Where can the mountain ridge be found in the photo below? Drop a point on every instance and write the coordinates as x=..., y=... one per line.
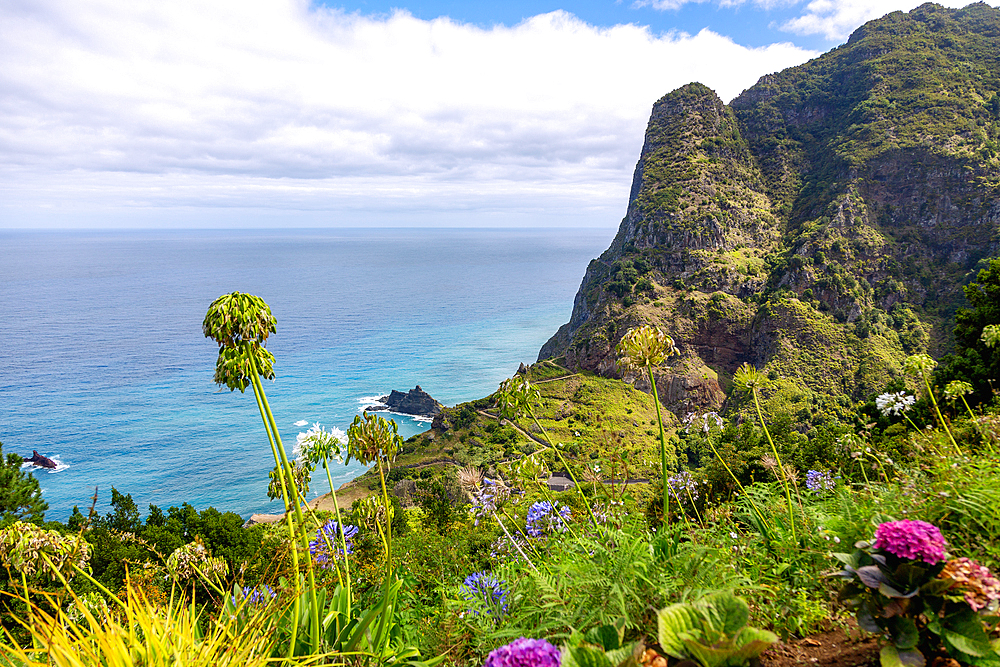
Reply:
x=820, y=226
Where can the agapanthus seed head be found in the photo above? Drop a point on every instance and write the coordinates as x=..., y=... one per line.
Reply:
x=955, y=389
x=748, y=378
x=644, y=346
x=919, y=365
x=470, y=478
x=515, y=397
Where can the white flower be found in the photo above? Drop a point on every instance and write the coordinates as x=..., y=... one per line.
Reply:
x=894, y=404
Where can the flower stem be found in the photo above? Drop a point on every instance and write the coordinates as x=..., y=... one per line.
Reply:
x=774, y=450
x=944, y=424
x=583, y=496
x=300, y=521
x=663, y=446
x=343, y=536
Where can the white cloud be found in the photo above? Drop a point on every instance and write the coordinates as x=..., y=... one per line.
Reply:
x=121, y=109
x=837, y=19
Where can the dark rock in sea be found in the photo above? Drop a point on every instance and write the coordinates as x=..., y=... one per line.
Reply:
x=414, y=402
x=40, y=461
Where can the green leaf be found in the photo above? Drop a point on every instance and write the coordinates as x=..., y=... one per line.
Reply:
x=964, y=630
x=904, y=632
x=890, y=656
x=936, y=586
x=726, y=613
x=866, y=621
x=890, y=592
x=585, y=655
x=749, y=644
x=671, y=622
x=871, y=576
x=851, y=560
x=606, y=636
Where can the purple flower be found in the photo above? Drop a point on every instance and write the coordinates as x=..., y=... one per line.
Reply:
x=524, y=653
x=542, y=519
x=684, y=486
x=482, y=587
x=911, y=539
x=319, y=549
x=820, y=481
x=261, y=594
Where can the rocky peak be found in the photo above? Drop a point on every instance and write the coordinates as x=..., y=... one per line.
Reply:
x=821, y=226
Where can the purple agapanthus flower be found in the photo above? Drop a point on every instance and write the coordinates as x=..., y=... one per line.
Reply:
x=820, y=481
x=525, y=653
x=322, y=553
x=261, y=594
x=542, y=519
x=911, y=539
x=483, y=587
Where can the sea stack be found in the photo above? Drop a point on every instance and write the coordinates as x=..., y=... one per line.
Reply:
x=414, y=402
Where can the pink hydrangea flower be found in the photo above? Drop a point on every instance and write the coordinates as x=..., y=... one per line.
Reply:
x=911, y=539
x=525, y=653
x=977, y=583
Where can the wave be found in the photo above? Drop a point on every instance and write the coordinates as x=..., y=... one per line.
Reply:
x=366, y=401
x=301, y=422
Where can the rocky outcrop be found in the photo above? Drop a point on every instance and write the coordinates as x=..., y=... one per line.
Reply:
x=820, y=226
x=40, y=461
x=414, y=402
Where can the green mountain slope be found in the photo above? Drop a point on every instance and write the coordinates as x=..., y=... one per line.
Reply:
x=820, y=226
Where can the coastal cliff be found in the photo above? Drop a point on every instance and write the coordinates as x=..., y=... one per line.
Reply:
x=819, y=227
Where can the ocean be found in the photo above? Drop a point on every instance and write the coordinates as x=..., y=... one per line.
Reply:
x=106, y=370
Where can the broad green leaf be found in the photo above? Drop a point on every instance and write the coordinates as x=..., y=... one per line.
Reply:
x=866, y=621
x=726, y=613
x=904, y=632
x=871, y=576
x=585, y=655
x=964, y=630
x=890, y=656
x=847, y=559
x=606, y=636
x=749, y=644
x=671, y=622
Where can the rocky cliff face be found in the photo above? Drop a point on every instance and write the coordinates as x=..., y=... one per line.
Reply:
x=820, y=226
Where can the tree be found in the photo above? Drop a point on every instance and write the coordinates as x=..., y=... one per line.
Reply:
x=20, y=495
x=124, y=517
x=974, y=361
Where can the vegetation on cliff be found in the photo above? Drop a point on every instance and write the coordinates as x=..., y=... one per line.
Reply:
x=804, y=247
x=820, y=227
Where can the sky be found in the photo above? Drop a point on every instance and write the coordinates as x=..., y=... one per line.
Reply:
x=368, y=113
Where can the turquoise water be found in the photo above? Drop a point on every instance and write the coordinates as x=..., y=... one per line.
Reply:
x=105, y=367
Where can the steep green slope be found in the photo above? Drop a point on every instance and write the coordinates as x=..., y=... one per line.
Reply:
x=820, y=227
